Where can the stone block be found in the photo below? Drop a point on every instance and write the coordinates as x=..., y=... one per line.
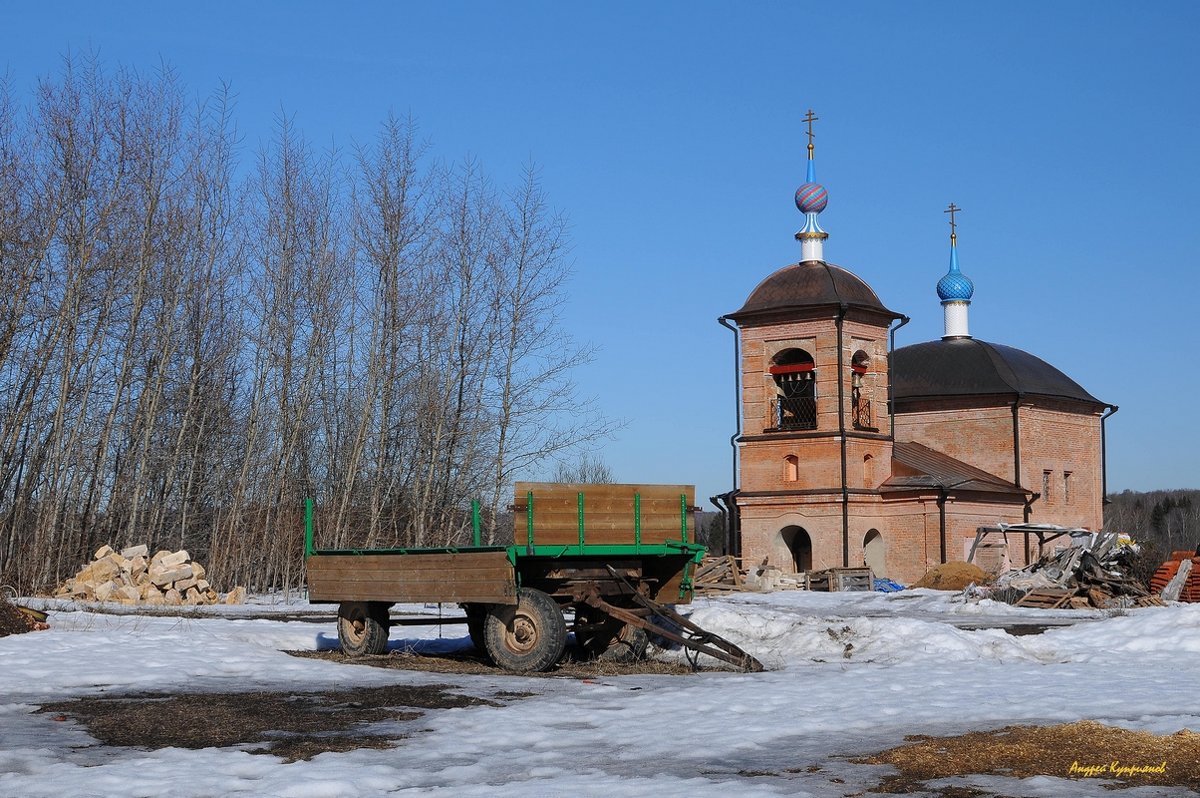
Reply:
x=172, y=598
x=198, y=570
x=137, y=567
x=163, y=576
x=177, y=558
x=183, y=585
x=102, y=571
x=129, y=593
x=104, y=590
x=192, y=596
x=236, y=596
x=102, y=552
x=135, y=551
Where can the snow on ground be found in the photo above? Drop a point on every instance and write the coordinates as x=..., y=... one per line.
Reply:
x=851, y=673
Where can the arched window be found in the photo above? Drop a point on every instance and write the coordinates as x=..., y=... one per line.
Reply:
x=791, y=468
x=868, y=471
x=795, y=402
x=860, y=399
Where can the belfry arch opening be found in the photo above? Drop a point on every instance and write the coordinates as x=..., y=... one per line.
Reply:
x=800, y=546
x=795, y=403
x=860, y=398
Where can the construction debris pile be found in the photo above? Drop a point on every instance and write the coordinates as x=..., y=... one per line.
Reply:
x=717, y=575
x=169, y=578
x=1074, y=578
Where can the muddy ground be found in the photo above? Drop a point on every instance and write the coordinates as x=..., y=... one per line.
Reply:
x=470, y=663
x=300, y=725
x=286, y=724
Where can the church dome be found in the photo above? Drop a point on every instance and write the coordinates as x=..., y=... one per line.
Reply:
x=955, y=286
x=970, y=367
x=810, y=284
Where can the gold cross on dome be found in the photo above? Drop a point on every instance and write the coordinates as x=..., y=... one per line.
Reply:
x=810, y=117
x=953, y=209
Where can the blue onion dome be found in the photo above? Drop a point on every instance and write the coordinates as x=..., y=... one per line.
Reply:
x=812, y=198
x=955, y=285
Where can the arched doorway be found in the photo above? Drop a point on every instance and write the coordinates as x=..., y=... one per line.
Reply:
x=800, y=545
x=875, y=552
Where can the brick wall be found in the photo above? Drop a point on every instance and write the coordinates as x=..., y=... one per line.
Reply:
x=910, y=528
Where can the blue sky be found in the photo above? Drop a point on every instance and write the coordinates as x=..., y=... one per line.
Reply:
x=671, y=135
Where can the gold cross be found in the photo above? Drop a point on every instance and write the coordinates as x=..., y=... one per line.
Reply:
x=953, y=209
x=810, y=117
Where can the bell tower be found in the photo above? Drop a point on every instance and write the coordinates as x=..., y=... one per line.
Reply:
x=814, y=430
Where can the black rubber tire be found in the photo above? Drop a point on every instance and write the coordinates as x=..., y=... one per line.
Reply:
x=594, y=631
x=530, y=636
x=629, y=646
x=363, y=628
x=476, y=623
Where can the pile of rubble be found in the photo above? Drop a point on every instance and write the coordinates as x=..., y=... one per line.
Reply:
x=1075, y=578
x=717, y=575
x=168, y=578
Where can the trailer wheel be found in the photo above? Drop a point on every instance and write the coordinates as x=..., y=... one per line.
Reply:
x=363, y=628
x=476, y=621
x=528, y=637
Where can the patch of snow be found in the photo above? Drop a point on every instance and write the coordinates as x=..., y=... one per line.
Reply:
x=852, y=673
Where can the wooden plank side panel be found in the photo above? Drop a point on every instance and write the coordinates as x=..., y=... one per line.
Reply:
x=615, y=492
x=608, y=513
x=485, y=577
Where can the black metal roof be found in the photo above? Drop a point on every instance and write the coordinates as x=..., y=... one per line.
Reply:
x=810, y=283
x=970, y=367
x=937, y=470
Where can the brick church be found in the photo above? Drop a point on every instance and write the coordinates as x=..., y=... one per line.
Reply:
x=850, y=451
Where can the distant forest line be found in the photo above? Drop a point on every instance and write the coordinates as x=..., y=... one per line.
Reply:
x=1166, y=520
x=193, y=339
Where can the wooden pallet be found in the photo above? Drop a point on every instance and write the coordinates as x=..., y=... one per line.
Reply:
x=831, y=579
x=1045, y=598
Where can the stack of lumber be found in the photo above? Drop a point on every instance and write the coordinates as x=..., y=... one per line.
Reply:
x=168, y=578
x=718, y=575
x=1076, y=578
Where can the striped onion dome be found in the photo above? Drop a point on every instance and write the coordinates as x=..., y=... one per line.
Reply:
x=812, y=198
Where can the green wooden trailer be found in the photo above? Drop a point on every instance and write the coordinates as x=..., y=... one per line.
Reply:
x=610, y=557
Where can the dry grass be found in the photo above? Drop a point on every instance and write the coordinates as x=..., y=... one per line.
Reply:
x=1066, y=750
x=12, y=620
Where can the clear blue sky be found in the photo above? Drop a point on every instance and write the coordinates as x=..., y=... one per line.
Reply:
x=670, y=133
